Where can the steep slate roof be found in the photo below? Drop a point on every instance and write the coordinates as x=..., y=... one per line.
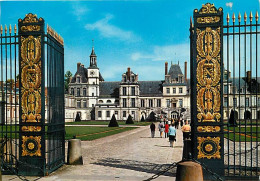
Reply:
x=174, y=71
x=151, y=88
x=83, y=72
x=109, y=89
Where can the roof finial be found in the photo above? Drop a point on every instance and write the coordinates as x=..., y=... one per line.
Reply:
x=92, y=43
x=178, y=62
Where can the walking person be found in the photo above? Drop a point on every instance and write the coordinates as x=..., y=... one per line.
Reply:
x=186, y=130
x=166, y=130
x=172, y=134
x=152, y=127
x=161, y=128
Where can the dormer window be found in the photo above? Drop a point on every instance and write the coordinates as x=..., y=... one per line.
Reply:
x=78, y=79
x=133, y=78
x=124, y=78
x=108, y=101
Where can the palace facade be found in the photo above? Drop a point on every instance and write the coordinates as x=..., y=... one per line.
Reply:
x=93, y=98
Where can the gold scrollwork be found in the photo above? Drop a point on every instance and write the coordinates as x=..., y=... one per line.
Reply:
x=208, y=8
x=208, y=19
x=30, y=28
x=31, y=79
x=31, y=128
x=30, y=18
x=31, y=146
x=209, y=147
x=208, y=75
x=208, y=128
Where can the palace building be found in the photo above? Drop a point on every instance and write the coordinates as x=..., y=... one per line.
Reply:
x=93, y=98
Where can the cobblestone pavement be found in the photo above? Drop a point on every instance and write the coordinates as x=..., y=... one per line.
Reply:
x=131, y=155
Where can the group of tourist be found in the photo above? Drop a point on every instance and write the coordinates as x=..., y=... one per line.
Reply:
x=169, y=129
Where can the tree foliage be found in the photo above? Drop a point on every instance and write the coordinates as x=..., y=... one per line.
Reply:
x=68, y=76
x=142, y=119
x=78, y=119
x=129, y=120
x=113, y=122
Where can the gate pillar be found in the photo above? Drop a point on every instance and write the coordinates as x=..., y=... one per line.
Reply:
x=31, y=96
x=206, y=88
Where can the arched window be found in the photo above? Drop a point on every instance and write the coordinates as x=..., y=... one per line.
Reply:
x=108, y=101
x=100, y=101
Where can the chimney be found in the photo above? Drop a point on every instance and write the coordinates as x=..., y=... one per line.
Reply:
x=78, y=65
x=185, y=71
x=166, y=68
x=248, y=76
x=128, y=73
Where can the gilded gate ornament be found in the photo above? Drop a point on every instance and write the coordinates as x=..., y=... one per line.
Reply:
x=31, y=79
x=209, y=147
x=31, y=146
x=208, y=75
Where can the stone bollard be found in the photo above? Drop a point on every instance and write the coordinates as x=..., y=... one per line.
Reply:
x=74, y=152
x=189, y=171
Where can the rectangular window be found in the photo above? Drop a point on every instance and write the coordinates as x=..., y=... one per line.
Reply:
x=78, y=104
x=225, y=101
x=93, y=94
x=78, y=79
x=84, y=92
x=78, y=92
x=142, y=102
x=258, y=102
x=247, y=102
x=124, y=102
x=124, y=78
x=133, y=102
x=180, y=90
x=133, y=91
x=174, y=90
x=234, y=102
x=108, y=114
x=124, y=91
x=180, y=102
x=133, y=78
x=158, y=102
x=150, y=103
x=116, y=112
x=225, y=89
x=93, y=105
x=168, y=90
x=124, y=114
x=72, y=91
x=99, y=114
x=84, y=103
x=168, y=102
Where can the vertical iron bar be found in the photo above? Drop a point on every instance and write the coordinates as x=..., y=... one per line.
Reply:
x=11, y=98
x=234, y=68
x=245, y=85
x=2, y=89
x=6, y=90
x=239, y=92
x=257, y=116
x=251, y=87
x=15, y=82
x=228, y=93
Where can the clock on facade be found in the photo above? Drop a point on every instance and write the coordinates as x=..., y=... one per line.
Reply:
x=92, y=72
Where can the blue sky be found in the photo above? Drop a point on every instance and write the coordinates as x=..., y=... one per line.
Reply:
x=137, y=34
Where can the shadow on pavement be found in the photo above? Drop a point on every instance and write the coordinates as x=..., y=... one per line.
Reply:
x=137, y=166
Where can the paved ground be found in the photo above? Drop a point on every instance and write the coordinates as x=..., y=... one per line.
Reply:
x=131, y=155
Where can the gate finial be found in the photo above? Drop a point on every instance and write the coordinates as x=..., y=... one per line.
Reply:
x=245, y=17
x=251, y=16
x=10, y=29
x=234, y=18
x=5, y=29
x=228, y=18
x=15, y=28
x=239, y=17
x=1, y=29
x=256, y=16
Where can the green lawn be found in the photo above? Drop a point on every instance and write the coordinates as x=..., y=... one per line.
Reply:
x=91, y=133
x=107, y=122
x=243, y=134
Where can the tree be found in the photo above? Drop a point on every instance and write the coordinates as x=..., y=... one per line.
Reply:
x=129, y=120
x=152, y=117
x=232, y=120
x=78, y=119
x=113, y=122
x=67, y=79
x=142, y=119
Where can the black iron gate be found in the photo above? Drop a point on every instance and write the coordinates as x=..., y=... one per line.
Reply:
x=225, y=104
x=31, y=98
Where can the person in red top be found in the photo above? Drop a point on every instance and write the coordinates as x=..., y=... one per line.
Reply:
x=166, y=130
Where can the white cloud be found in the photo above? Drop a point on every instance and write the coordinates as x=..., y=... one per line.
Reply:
x=230, y=4
x=165, y=53
x=108, y=30
x=79, y=10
